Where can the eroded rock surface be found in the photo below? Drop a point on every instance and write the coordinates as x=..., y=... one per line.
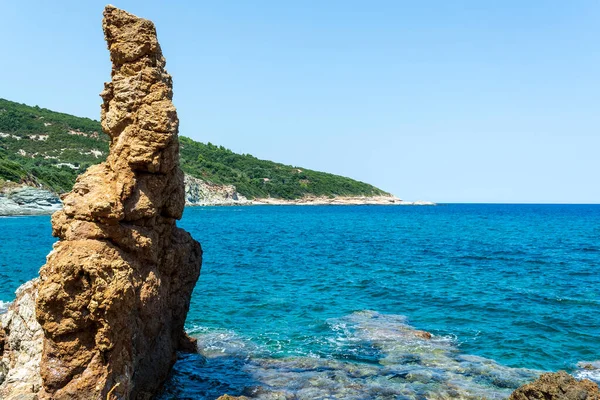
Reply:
x=21, y=346
x=115, y=291
x=557, y=386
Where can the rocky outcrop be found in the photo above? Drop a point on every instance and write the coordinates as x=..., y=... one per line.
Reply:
x=198, y=192
x=27, y=200
x=114, y=294
x=202, y=193
x=21, y=346
x=557, y=386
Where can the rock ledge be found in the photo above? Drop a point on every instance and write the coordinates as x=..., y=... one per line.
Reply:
x=557, y=386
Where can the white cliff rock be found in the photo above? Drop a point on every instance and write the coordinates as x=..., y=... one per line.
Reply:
x=201, y=193
x=21, y=347
x=27, y=200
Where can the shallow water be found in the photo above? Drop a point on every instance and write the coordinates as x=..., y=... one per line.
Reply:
x=373, y=356
x=281, y=308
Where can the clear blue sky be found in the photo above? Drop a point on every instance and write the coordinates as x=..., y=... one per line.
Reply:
x=450, y=101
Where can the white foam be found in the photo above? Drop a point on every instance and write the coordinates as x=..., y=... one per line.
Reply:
x=217, y=342
x=588, y=370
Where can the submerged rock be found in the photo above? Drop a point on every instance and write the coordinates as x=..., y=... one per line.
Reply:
x=114, y=294
x=557, y=386
x=375, y=356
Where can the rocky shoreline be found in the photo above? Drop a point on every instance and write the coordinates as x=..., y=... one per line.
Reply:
x=21, y=349
x=16, y=200
x=27, y=200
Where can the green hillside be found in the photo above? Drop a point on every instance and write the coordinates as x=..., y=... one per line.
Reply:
x=49, y=149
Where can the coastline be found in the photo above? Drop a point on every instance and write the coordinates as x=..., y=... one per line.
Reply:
x=29, y=201
x=342, y=200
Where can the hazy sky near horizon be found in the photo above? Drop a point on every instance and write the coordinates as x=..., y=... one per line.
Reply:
x=449, y=101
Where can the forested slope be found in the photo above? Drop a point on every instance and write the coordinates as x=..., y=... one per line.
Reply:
x=44, y=148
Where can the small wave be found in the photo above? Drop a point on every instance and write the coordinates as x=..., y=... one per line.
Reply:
x=218, y=342
x=588, y=370
x=570, y=300
x=589, y=249
x=539, y=326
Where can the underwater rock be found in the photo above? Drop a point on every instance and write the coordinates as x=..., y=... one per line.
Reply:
x=115, y=291
x=557, y=386
x=422, y=334
x=377, y=356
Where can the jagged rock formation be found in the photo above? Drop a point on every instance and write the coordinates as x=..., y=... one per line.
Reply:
x=21, y=346
x=557, y=386
x=113, y=296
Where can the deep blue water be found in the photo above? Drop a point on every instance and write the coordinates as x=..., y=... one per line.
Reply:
x=287, y=288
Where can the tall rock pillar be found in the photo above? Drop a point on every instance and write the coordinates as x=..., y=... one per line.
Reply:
x=115, y=291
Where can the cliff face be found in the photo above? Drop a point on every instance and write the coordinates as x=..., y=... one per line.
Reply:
x=114, y=293
x=202, y=193
x=26, y=200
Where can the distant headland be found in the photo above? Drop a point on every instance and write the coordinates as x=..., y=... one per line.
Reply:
x=42, y=152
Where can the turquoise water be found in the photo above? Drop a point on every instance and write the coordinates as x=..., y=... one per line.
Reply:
x=319, y=302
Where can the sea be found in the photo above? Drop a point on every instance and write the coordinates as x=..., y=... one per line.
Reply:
x=375, y=302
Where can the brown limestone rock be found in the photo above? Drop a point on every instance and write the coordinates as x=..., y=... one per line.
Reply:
x=557, y=386
x=115, y=291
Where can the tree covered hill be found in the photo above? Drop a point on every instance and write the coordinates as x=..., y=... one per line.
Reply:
x=49, y=149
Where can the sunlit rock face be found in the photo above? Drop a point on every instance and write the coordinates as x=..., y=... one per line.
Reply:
x=115, y=291
x=557, y=386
